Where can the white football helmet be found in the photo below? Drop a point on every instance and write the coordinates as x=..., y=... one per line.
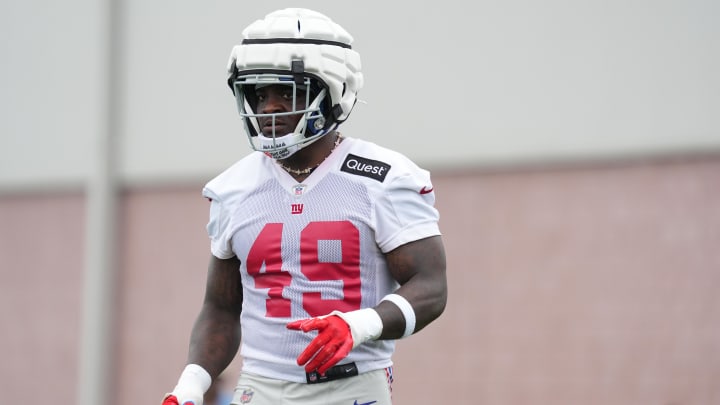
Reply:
x=306, y=50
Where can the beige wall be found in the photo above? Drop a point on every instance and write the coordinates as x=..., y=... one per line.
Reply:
x=585, y=285
x=591, y=286
x=41, y=268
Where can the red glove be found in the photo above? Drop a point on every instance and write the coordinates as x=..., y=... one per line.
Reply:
x=332, y=344
x=172, y=400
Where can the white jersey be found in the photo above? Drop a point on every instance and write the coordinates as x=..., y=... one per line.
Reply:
x=309, y=248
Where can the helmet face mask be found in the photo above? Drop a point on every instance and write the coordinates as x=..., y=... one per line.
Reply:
x=303, y=49
x=309, y=101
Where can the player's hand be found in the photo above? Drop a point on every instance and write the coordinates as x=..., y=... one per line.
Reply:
x=171, y=399
x=332, y=344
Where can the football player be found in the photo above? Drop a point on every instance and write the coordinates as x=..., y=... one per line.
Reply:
x=325, y=248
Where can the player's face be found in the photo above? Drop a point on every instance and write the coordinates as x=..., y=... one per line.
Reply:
x=275, y=99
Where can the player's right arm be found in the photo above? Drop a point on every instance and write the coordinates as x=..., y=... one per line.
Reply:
x=215, y=337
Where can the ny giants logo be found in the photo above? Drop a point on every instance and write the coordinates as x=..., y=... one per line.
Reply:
x=296, y=208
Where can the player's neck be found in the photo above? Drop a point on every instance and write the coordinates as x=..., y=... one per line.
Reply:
x=301, y=164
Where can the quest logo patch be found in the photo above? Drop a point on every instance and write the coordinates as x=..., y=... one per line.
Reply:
x=361, y=166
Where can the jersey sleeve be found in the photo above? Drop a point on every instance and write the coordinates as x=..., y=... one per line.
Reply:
x=218, y=227
x=406, y=211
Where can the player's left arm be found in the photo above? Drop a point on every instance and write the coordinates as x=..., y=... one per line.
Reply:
x=419, y=267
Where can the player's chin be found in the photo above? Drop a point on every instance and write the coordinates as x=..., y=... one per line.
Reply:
x=278, y=129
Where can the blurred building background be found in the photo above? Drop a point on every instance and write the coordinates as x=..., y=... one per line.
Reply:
x=575, y=151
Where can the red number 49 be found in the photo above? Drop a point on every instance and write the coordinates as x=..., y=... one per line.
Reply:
x=267, y=250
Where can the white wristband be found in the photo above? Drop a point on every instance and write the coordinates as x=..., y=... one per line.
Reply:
x=365, y=324
x=192, y=384
x=407, y=311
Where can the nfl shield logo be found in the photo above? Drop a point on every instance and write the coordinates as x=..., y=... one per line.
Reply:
x=246, y=396
x=299, y=189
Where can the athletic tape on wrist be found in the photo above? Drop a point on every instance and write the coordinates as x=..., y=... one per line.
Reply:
x=365, y=324
x=407, y=311
x=194, y=379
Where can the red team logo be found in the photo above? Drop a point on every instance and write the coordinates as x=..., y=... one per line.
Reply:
x=296, y=208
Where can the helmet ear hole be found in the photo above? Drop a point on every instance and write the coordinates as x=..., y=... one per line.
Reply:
x=315, y=125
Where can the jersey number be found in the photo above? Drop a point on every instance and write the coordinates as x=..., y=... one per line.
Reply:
x=267, y=250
